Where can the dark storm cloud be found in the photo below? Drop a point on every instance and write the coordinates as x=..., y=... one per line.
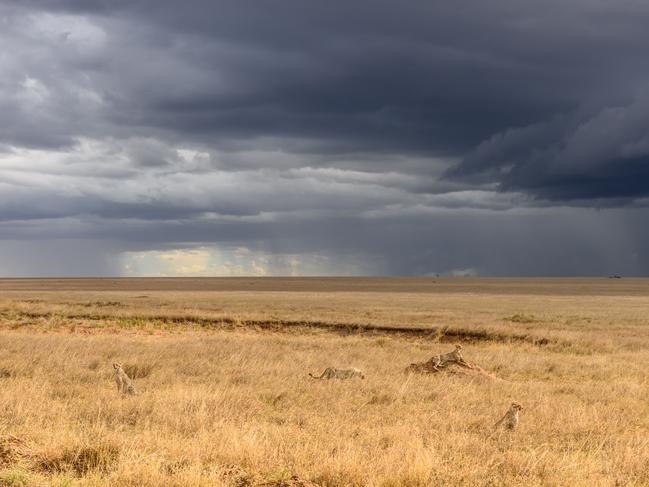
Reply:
x=599, y=155
x=427, y=78
x=231, y=121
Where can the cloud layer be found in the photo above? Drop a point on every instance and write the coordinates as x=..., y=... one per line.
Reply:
x=331, y=138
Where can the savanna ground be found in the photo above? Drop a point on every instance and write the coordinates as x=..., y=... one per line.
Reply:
x=225, y=397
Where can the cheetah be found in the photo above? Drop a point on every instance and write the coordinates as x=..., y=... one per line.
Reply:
x=124, y=383
x=334, y=373
x=510, y=420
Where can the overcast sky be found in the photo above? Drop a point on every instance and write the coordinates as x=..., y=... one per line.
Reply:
x=298, y=137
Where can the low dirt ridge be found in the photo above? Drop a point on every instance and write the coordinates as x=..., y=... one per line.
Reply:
x=439, y=334
x=432, y=367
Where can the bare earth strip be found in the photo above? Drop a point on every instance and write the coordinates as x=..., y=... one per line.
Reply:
x=226, y=400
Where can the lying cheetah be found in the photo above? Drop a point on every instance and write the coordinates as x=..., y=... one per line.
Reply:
x=333, y=373
x=510, y=420
x=434, y=364
x=438, y=362
x=124, y=383
x=454, y=357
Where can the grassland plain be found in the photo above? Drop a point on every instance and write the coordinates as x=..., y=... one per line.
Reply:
x=226, y=400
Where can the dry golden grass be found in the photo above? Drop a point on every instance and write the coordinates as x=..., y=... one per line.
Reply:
x=226, y=400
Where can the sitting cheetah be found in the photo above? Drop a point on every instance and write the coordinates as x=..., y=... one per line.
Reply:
x=124, y=383
x=510, y=420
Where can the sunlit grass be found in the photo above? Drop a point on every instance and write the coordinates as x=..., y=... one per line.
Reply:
x=231, y=403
